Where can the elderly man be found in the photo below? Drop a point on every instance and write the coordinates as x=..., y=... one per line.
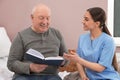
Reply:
x=42, y=38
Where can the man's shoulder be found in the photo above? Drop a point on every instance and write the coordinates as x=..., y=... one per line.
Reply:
x=54, y=29
x=24, y=31
x=56, y=32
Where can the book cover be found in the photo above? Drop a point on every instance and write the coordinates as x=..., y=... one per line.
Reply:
x=37, y=57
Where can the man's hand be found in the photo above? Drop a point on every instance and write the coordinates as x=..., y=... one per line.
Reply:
x=37, y=67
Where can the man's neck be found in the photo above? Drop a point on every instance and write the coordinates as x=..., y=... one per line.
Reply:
x=36, y=30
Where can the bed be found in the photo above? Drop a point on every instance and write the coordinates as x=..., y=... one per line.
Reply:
x=5, y=44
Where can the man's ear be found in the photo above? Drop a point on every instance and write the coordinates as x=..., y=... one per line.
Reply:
x=31, y=16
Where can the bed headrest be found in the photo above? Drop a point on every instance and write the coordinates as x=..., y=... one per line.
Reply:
x=5, y=42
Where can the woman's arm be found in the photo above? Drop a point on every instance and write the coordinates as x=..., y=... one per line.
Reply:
x=81, y=71
x=91, y=65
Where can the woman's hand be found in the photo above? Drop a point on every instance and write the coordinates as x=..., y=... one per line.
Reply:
x=37, y=67
x=72, y=56
x=84, y=78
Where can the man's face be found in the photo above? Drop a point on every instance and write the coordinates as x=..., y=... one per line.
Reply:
x=41, y=20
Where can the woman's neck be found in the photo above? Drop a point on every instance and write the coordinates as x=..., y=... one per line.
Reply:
x=95, y=33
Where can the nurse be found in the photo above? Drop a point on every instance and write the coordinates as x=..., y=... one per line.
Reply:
x=95, y=49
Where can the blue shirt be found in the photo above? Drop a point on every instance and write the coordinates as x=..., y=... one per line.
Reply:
x=100, y=50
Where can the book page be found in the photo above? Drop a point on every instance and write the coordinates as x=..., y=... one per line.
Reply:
x=35, y=53
x=54, y=58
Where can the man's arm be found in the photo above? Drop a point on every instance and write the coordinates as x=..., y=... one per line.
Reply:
x=62, y=49
x=16, y=55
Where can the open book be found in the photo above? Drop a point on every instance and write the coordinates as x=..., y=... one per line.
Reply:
x=37, y=57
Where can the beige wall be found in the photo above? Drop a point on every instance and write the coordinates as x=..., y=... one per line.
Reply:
x=66, y=16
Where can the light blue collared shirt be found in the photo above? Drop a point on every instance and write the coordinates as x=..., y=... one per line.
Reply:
x=100, y=50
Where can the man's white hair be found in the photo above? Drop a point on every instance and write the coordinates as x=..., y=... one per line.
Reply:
x=40, y=6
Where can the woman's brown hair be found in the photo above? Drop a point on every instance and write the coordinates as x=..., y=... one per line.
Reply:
x=98, y=14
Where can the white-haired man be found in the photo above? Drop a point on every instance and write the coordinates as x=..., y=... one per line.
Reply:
x=40, y=37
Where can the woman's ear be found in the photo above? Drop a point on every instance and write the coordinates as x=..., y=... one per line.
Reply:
x=98, y=23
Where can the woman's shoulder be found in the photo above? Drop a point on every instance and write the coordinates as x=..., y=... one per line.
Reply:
x=107, y=38
x=84, y=36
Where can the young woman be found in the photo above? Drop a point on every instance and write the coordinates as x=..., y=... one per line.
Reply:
x=95, y=49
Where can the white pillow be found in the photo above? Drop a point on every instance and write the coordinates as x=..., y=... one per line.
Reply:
x=5, y=43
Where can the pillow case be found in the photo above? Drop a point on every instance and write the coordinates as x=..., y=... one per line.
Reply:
x=5, y=42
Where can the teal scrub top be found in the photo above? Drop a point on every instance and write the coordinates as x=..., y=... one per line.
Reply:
x=100, y=50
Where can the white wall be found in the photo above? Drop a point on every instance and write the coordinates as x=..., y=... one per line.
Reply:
x=66, y=16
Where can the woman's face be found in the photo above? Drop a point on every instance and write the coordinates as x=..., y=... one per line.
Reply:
x=88, y=22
